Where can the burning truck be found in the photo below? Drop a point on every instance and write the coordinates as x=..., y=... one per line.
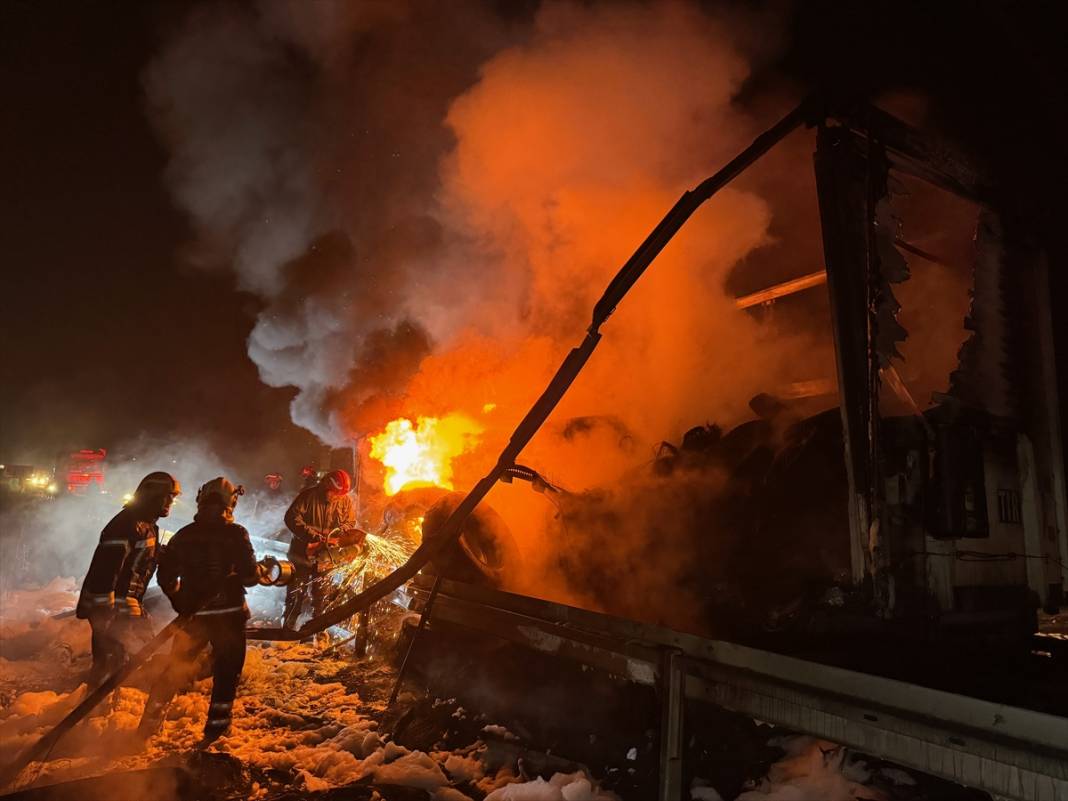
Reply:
x=924, y=534
x=875, y=522
x=844, y=511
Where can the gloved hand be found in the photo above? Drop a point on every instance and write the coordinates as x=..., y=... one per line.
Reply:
x=318, y=545
x=351, y=537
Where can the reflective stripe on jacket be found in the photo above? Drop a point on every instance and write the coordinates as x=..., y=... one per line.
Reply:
x=122, y=565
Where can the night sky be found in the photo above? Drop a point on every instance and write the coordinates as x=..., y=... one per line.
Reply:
x=107, y=333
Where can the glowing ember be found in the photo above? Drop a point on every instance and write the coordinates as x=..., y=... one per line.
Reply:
x=421, y=454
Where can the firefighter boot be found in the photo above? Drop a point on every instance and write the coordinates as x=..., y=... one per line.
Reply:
x=219, y=716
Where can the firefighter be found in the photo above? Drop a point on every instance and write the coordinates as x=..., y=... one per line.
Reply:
x=318, y=518
x=122, y=565
x=308, y=477
x=204, y=572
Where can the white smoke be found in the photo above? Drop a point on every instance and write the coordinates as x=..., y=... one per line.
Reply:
x=304, y=142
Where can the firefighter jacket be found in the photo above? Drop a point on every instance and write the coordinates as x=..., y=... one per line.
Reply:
x=122, y=566
x=312, y=511
x=207, y=565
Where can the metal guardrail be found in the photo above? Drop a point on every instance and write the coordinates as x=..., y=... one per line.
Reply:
x=1006, y=751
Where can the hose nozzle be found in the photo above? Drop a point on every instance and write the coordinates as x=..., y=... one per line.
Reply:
x=271, y=572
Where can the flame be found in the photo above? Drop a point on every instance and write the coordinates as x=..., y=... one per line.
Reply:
x=421, y=454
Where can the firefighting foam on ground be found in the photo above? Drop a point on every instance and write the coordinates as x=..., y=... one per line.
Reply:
x=627, y=413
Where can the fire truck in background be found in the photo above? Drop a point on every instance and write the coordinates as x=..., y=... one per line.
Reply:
x=83, y=470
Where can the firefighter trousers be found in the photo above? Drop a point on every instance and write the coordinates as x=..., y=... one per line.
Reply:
x=115, y=637
x=225, y=633
x=307, y=580
x=107, y=652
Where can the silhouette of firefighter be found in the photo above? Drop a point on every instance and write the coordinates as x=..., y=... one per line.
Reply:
x=320, y=518
x=204, y=571
x=121, y=568
x=309, y=477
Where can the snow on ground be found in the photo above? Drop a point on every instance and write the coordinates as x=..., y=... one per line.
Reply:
x=814, y=769
x=37, y=651
x=298, y=720
x=293, y=718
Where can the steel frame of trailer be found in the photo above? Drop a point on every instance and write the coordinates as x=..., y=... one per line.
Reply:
x=1007, y=751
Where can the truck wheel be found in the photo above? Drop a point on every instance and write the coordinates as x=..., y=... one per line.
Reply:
x=486, y=550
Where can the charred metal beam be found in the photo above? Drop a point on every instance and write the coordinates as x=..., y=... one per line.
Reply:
x=845, y=217
x=920, y=154
x=672, y=686
x=908, y=247
x=690, y=202
x=809, y=280
x=790, y=287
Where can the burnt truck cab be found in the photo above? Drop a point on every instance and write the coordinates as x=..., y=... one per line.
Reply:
x=958, y=541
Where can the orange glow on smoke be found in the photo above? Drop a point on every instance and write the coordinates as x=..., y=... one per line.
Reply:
x=421, y=454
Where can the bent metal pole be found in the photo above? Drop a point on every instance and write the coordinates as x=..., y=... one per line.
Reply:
x=39, y=750
x=807, y=111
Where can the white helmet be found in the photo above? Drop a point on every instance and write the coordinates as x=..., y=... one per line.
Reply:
x=220, y=490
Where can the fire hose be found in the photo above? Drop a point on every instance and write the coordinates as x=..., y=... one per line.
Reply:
x=272, y=572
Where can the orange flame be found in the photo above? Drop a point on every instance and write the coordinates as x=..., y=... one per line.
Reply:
x=421, y=454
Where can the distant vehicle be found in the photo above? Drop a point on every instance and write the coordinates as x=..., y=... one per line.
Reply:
x=84, y=469
x=26, y=479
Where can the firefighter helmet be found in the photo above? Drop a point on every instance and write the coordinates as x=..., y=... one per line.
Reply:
x=158, y=483
x=337, y=482
x=220, y=490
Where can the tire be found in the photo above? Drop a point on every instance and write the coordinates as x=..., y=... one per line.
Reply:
x=486, y=552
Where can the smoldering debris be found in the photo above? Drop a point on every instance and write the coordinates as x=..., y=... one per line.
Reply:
x=714, y=535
